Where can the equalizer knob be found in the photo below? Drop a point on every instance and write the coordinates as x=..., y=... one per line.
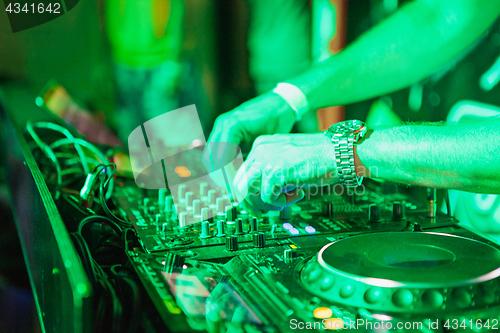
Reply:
x=162, y=193
x=231, y=213
x=221, y=228
x=254, y=225
x=158, y=222
x=205, y=230
x=221, y=206
x=207, y=215
x=398, y=211
x=197, y=207
x=374, y=213
x=164, y=230
x=212, y=197
x=238, y=227
x=181, y=192
x=203, y=189
x=169, y=202
x=232, y=243
x=183, y=220
x=259, y=240
x=189, y=199
x=286, y=213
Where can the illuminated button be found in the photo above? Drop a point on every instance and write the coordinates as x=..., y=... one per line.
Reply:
x=310, y=230
x=182, y=171
x=294, y=231
x=332, y=324
x=287, y=226
x=322, y=313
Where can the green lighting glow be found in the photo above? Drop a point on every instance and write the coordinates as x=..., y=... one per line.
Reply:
x=39, y=101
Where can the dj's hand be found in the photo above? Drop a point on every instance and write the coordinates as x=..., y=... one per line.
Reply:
x=280, y=165
x=266, y=114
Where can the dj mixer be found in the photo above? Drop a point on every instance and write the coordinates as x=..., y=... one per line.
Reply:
x=189, y=258
x=377, y=261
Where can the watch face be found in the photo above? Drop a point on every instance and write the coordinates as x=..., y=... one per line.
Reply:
x=357, y=127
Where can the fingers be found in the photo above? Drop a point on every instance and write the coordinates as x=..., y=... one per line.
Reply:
x=271, y=186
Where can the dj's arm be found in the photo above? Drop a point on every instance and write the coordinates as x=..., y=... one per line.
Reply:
x=408, y=46
x=461, y=157
x=405, y=48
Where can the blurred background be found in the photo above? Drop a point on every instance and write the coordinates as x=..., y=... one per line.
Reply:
x=127, y=61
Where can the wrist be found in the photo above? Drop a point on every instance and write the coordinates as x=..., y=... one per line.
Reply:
x=361, y=169
x=294, y=97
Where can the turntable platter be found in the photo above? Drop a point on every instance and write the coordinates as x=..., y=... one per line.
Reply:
x=396, y=271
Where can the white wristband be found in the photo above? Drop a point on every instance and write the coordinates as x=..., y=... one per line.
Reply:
x=294, y=97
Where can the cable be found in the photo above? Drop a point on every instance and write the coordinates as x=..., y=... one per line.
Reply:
x=48, y=152
x=99, y=219
x=70, y=138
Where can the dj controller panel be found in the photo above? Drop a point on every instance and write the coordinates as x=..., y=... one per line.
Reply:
x=372, y=260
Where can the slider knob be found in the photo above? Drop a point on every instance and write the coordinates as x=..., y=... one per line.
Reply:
x=398, y=211
x=232, y=243
x=259, y=240
x=327, y=209
x=374, y=213
x=288, y=256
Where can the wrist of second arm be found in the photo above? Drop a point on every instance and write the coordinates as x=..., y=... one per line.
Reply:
x=362, y=170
